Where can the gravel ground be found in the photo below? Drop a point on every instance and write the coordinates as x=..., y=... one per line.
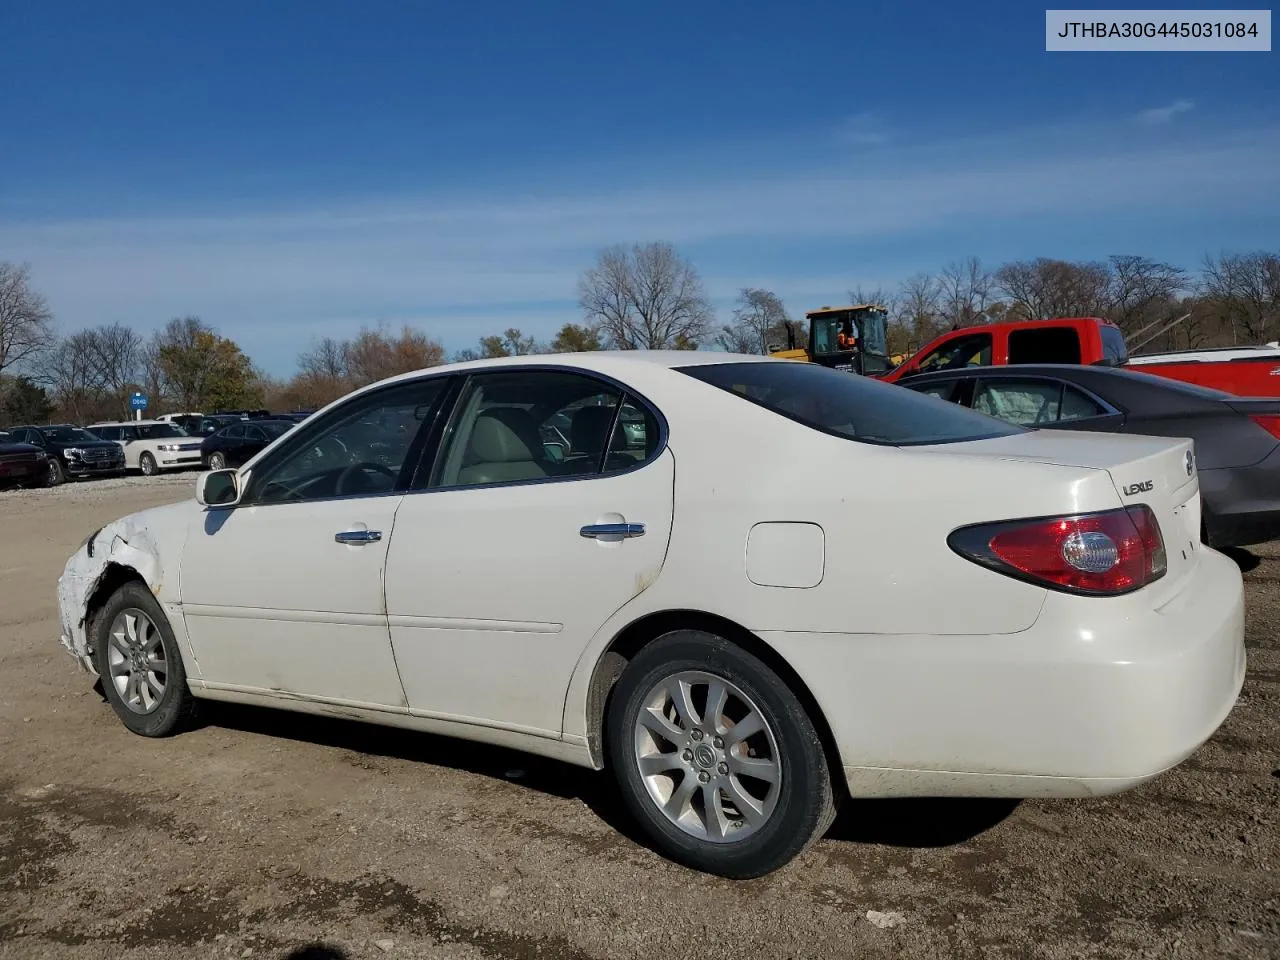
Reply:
x=261, y=833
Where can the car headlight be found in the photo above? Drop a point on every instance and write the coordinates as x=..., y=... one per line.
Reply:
x=168, y=446
x=41, y=455
x=74, y=452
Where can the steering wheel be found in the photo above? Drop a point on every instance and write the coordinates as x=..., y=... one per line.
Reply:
x=348, y=472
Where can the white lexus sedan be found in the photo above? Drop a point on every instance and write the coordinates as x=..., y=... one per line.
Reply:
x=750, y=587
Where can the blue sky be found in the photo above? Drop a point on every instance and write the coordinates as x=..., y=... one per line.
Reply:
x=288, y=171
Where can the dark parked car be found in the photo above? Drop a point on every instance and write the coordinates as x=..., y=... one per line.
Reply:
x=1237, y=439
x=72, y=451
x=237, y=442
x=22, y=464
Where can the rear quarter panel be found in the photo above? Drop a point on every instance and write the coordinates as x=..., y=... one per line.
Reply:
x=885, y=513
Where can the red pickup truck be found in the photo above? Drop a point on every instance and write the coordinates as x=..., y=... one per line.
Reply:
x=1244, y=371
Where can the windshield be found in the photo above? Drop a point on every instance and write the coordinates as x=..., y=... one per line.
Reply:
x=159, y=431
x=68, y=435
x=874, y=325
x=849, y=405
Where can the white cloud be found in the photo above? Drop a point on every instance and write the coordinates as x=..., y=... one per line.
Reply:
x=1159, y=115
x=272, y=278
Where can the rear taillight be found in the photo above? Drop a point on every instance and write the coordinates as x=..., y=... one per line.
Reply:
x=1100, y=554
x=1268, y=422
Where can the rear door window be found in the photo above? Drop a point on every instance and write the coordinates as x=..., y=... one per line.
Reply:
x=942, y=391
x=1044, y=345
x=848, y=405
x=1035, y=403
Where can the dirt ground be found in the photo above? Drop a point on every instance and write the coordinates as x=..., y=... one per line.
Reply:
x=262, y=833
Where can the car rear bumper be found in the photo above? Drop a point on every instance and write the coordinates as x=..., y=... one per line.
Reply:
x=1241, y=505
x=1097, y=697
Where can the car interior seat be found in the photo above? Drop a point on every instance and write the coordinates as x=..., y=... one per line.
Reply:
x=504, y=446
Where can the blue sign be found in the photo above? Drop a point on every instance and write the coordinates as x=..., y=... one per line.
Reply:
x=138, y=401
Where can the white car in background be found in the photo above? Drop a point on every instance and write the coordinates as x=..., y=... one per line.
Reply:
x=750, y=587
x=151, y=445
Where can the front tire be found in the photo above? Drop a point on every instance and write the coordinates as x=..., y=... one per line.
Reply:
x=140, y=665
x=217, y=461
x=56, y=474
x=147, y=464
x=716, y=758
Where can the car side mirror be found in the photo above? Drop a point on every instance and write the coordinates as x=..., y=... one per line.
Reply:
x=218, y=488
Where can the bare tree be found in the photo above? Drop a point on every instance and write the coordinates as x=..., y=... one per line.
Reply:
x=759, y=320
x=326, y=360
x=1145, y=292
x=877, y=296
x=919, y=309
x=71, y=371
x=116, y=352
x=966, y=290
x=25, y=318
x=1044, y=288
x=1245, y=290
x=151, y=373
x=646, y=298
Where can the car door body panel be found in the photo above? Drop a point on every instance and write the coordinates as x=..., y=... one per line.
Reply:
x=284, y=592
x=493, y=592
x=272, y=602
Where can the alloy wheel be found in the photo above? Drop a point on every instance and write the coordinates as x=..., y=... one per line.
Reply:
x=708, y=757
x=135, y=657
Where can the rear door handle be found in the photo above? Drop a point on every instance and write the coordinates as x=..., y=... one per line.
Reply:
x=597, y=530
x=358, y=536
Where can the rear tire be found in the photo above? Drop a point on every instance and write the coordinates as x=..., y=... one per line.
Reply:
x=147, y=464
x=736, y=808
x=56, y=474
x=140, y=666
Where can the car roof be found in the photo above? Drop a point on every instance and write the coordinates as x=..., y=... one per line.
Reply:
x=128, y=423
x=598, y=361
x=602, y=361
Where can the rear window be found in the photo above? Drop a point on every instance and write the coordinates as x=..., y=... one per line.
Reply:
x=1044, y=345
x=1114, y=349
x=848, y=405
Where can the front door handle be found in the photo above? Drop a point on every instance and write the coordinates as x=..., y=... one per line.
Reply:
x=358, y=536
x=598, y=530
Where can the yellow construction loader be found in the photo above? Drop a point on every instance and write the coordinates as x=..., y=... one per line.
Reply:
x=852, y=338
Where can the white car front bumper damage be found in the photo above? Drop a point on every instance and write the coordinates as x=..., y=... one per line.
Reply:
x=122, y=543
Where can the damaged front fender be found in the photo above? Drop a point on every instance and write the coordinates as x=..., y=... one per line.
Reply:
x=125, y=544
